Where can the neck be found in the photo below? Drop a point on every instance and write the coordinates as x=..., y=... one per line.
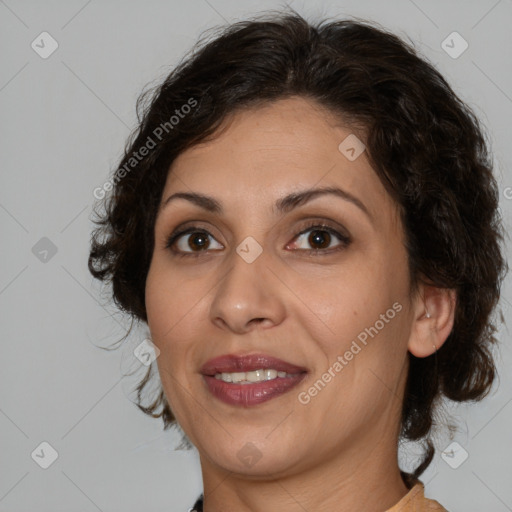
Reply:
x=354, y=482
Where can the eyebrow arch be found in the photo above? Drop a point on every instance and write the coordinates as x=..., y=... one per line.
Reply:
x=282, y=206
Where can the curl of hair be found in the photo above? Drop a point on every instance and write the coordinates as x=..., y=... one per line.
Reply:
x=424, y=143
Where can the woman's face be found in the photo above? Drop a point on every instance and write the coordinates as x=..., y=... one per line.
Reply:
x=320, y=283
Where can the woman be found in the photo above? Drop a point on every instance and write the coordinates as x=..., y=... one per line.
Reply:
x=306, y=219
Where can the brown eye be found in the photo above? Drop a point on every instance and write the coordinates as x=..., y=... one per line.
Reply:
x=191, y=240
x=194, y=241
x=198, y=241
x=320, y=239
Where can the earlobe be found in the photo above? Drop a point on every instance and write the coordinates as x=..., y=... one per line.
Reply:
x=434, y=310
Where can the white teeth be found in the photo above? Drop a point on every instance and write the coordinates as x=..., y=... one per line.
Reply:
x=236, y=377
x=269, y=374
x=254, y=376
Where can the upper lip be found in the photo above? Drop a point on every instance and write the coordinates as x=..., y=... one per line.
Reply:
x=230, y=363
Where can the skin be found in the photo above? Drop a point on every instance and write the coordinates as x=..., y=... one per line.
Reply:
x=339, y=451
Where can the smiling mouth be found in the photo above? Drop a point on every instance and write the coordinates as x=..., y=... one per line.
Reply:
x=248, y=380
x=261, y=375
x=247, y=363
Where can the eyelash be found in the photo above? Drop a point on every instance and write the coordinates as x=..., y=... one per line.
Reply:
x=312, y=226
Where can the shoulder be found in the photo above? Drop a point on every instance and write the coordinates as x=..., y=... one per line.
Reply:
x=415, y=501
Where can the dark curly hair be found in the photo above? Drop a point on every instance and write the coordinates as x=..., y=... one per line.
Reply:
x=424, y=143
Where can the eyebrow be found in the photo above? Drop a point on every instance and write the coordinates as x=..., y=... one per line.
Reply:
x=282, y=206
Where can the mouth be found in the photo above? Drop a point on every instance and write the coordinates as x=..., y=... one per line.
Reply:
x=250, y=379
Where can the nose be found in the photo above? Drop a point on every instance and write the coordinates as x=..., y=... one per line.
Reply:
x=249, y=296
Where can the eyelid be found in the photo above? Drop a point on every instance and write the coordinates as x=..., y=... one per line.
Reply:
x=320, y=224
x=342, y=237
x=177, y=234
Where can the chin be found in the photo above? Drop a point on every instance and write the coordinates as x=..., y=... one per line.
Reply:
x=254, y=456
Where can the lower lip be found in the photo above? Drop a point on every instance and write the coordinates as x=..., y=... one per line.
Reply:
x=246, y=395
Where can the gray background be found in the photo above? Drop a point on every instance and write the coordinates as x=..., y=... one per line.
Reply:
x=64, y=123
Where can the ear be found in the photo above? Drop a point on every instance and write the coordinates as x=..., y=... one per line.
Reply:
x=434, y=314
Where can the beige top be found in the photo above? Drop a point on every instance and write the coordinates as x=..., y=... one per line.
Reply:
x=415, y=501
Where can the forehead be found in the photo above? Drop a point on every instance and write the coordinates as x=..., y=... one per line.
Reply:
x=261, y=154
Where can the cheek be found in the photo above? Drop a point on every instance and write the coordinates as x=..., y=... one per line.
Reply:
x=158, y=303
x=364, y=321
x=176, y=309
x=344, y=302
x=164, y=305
